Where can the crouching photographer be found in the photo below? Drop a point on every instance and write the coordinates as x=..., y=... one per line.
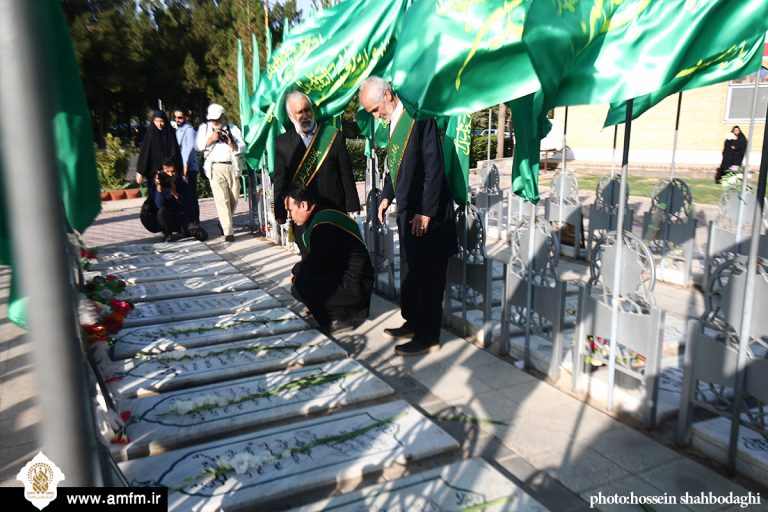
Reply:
x=172, y=209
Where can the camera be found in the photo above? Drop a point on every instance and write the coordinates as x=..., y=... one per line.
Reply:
x=223, y=134
x=165, y=181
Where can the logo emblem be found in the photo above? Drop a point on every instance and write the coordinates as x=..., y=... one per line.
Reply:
x=40, y=477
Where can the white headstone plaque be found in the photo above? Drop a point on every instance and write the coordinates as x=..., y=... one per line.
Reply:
x=467, y=485
x=170, y=420
x=165, y=337
x=178, y=369
x=173, y=310
x=256, y=470
x=175, y=288
x=163, y=259
x=130, y=274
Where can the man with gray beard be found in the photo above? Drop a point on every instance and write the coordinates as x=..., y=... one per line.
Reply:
x=315, y=156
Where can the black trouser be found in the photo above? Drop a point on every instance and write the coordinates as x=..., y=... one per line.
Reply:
x=338, y=306
x=421, y=297
x=192, y=182
x=171, y=222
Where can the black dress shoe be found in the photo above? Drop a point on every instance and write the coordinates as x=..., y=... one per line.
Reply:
x=229, y=238
x=399, y=332
x=167, y=238
x=416, y=348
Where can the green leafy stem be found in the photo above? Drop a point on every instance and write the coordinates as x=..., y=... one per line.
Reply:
x=463, y=418
x=199, y=330
x=310, y=381
x=298, y=450
x=216, y=353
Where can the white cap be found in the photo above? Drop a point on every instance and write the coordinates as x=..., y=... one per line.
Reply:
x=215, y=111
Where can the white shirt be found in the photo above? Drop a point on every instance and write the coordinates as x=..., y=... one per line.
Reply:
x=307, y=139
x=218, y=151
x=395, y=117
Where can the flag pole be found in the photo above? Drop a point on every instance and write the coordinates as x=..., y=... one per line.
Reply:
x=744, y=186
x=665, y=236
x=66, y=433
x=613, y=156
x=619, y=248
x=560, y=226
x=748, y=305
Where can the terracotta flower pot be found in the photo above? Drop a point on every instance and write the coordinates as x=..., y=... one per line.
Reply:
x=105, y=195
x=132, y=193
x=117, y=194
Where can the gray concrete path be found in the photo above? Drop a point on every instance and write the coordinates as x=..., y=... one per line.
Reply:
x=559, y=449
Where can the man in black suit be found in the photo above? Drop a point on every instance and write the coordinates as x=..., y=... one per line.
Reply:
x=425, y=219
x=334, y=279
x=315, y=156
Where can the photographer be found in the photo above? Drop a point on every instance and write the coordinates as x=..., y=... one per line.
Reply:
x=221, y=143
x=173, y=208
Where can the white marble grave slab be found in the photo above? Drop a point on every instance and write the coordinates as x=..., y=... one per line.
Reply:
x=152, y=339
x=174, y=310
x=168, y=371
x=540, y=351
x=171, y=420
x=162, y=259
x=175, y=288
x=674, y=335
x=469, y=484
x=118, y=251
x=182, y=271
x=711, y=437
x=254, y=471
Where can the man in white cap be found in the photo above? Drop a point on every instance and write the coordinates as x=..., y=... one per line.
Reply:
x=221, y=143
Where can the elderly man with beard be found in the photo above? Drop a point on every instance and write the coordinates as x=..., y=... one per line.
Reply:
x=315, y=156
x=425, y=220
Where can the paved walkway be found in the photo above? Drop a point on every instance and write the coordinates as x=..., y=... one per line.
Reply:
x=560, y=450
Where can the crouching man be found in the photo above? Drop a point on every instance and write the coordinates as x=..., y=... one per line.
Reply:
x=171, y=209
x=334, y=278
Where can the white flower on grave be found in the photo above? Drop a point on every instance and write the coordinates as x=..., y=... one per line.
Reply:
x=242, y=462
x=183, y=406
x=222, y=401
x=87, y=310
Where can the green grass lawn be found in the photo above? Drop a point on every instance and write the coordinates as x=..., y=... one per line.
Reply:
x=704, y=191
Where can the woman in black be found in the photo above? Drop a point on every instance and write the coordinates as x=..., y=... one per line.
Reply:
x=158, y=145
x=733, y=152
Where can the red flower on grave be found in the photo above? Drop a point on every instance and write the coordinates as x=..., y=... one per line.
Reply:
x=125, y=415
x=121, y=306
x=120, y=439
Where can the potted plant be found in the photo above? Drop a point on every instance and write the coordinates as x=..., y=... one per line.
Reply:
x=111, y=165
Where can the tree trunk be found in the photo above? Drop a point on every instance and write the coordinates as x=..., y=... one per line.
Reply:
x=500, y=131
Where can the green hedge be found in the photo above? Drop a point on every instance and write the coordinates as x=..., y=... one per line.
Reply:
x=479, y=149
x=356, y=149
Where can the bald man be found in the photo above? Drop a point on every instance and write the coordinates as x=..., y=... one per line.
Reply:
x=314, y=156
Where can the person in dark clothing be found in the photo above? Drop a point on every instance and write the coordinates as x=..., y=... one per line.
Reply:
x=334, y=278
x=425, y=217
x=158, y=145
x=314, y=155
x=173, y=210
x=733, y=152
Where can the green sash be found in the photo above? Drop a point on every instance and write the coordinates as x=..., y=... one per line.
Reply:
x=315, y=154
x=397, y=144
x=338, y=219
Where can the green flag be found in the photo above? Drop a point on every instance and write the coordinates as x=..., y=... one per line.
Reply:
x=458, y=57
x=72, y=134
x=531, y=125
x=327, y=56
x=735, y=62
x=456, y=148
x=609, y=51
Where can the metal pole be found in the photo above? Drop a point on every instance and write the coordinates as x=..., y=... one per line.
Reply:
x=529, y=287
x=39, y=243
x=740, y=214
x=560, y=226
x=665, y=236
x=616, y=285
x=490, y=121
x=374, y=215
x=613, y=156
x=748, y=305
